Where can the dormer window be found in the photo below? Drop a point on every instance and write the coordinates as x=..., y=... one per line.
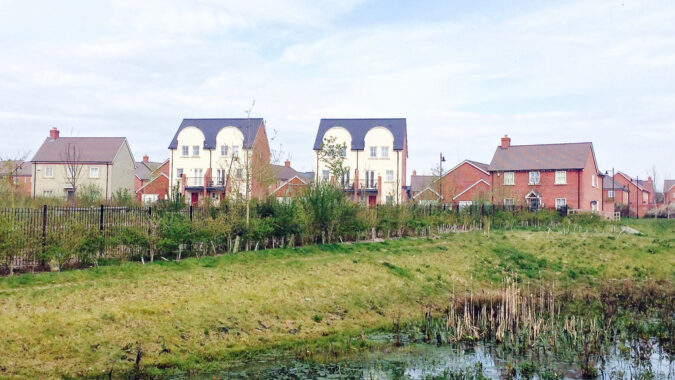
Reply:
x=373, y=151
x=534, y=178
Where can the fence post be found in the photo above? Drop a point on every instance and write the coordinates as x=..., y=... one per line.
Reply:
x=191, y=210
x=100, y=219
x=44, y=227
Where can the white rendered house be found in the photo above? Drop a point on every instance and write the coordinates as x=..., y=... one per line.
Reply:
x=376, y=156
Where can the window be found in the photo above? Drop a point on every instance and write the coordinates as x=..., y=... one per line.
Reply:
x=508, y=178
x=185, y=150
x=195, y=150
x=15, y=180
x=70, y=173
x=593, y=180
x=373, y=151
x=465, y=204
x=235, y=150
x=508, y=202
x=49, y=172
x=390, y=175
x=384, y=151
x=560, y=177
x=93, y=172
x=534, y=178
x=198, y=179
x=610, y=193
x=325, y=175
x=560, y=203
x=47, y=193
x=223, y=150
x=179, y=173
x=240, y=173
x=214, y=196
x=645, y=197
x=149, y=198
x=389, y=199
x=343, y=152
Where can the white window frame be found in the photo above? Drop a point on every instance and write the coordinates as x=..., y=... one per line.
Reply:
x=235, y=150
x=509, y=201
x=185, y=150
x=343, y=151
x=69, y=172
x=593, y=180
x=223, y=150
x=373, y=152
x=149, y=198
x=390, y=175
x=511, y=176
x=536, y=180
x=47, y=193
x=560, y=177
x=564, y=203
x=179, y=172
x=49, y=172
x=464, y=204
x=384, y=151
x=94, y=172
x=610, y=193
x=325, y=175
x=240, y=173
x=195, y=151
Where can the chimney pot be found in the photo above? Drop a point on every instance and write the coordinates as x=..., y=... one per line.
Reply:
x=287, y=163
x=146, y=158
x=414, y=172
x=54, y=133
x=506, y=141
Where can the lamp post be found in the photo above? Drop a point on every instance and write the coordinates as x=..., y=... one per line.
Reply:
x=440, y=176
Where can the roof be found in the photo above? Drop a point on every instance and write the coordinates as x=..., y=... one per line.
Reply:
x=668, y=184
x=308, y=175
x=419, y=182
x=210, y=128
x=88, y=149
x=144, y=169
x=630, y=179
x=359, y=127
x=15, y=167
x=284, y=173
x=608, y=183
x=471, y=187
x=476, y=164
x=541, y=157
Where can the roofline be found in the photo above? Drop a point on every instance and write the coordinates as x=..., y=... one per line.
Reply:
x=65, y=163
x=631, y=180
x=425, y=189
x=289, y=180
x=462, y=163
x=469, y=188
x=151, y=181
x=567, y=143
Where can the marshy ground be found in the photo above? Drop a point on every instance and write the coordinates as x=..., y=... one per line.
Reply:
x=198, y=314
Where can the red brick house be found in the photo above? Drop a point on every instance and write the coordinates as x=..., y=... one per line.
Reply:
x=669, y=191
x=290, y=183
x=421, y=189
x=154, y=183
x=638, y=196
x=613, y=193
x=18, y=173
x=547, y=176
x=465, y=183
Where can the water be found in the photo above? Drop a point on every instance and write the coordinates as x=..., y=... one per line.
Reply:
x=426, y=361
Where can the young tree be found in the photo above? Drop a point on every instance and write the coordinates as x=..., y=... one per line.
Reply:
x=72, y=168
x=333, y=155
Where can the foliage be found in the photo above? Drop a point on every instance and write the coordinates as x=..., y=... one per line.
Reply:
x=123, y=197
x=333, y=155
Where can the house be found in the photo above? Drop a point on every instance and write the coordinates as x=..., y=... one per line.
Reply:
x=289, y=183
x=639, y=196
x=215, y=158
x=64, y=164
x=614, y=194
x=18, y=173
x=152, y=180
x=376, y=154
x=421, y=189
x=669, y=191
x=546, y=176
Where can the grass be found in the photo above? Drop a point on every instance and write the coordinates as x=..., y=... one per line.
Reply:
x=197, y=313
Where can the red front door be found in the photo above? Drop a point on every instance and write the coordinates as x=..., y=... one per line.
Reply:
x=372, y=200
x=194, y=199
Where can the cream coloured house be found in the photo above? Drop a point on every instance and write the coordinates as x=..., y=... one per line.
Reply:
x=376, y=155
x=215, y=158
x=106, y=163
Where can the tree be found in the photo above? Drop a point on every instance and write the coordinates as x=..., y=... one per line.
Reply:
x=73, y=169
x=9, y=169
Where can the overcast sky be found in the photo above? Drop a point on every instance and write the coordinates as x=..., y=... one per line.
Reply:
x=463, y=73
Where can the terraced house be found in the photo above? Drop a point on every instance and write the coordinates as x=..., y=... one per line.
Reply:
x=64, y=165
x=376, y=154
x=215, y=158
x=546, y=176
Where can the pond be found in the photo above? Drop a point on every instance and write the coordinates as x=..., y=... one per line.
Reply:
x=460, y=361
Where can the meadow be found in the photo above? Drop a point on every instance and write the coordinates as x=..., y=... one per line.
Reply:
x=199, y=314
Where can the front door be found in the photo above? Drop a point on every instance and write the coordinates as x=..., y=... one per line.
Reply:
x=533, y=203
x=194, y=199
x=372, y=200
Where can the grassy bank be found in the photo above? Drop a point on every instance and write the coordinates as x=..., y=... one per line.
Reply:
x=192, y=313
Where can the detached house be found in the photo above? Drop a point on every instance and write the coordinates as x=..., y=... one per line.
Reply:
x=216, y=158
x=614, y=194
x=18, y=173
x=290, y=183
x=463, y=184
x=639, y=196
x=546, y=176
x=151, y=180
x=376, y=154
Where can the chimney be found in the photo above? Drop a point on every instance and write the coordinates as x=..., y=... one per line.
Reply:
x=53, y=133
x=506, y=141
x=146, y=158
x=649, y=178
x=287, y=163
x=414, y=173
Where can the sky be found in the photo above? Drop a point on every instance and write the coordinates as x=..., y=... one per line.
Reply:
x=463, y=73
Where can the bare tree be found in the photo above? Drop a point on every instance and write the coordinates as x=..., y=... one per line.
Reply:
x=9, y=170
x=72, y=168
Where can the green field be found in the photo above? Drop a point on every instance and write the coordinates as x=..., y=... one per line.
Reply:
x=196, y=314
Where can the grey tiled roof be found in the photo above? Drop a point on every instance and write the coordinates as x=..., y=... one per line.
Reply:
x=608, y=183
x=668, y=184
x=541, y=157
x=284, y=173
x=210, y=128
x=359, y=127
x=420, y=182
x=88, y=149
x=17, y=167
x=144, y=169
